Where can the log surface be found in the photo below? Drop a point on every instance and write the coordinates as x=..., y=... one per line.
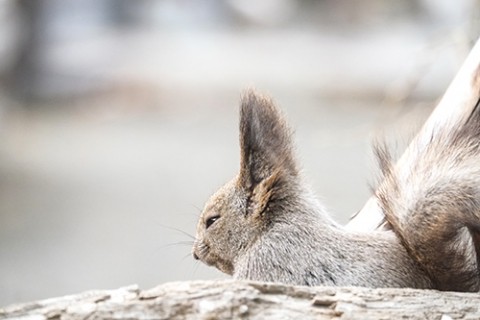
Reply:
x=227, y=299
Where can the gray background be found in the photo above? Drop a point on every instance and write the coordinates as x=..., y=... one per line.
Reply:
x=127, y=121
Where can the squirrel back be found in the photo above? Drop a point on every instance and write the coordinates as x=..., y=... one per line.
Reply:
x=267, y=225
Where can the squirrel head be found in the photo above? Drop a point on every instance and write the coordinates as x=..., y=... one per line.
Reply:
x=237, y=215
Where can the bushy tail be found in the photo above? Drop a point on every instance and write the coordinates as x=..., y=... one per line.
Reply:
x=434, y=208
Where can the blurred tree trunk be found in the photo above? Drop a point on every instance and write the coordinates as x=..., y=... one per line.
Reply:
x=25, y=75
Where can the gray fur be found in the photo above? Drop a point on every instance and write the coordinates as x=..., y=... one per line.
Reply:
x=268, y=226
x=435, y=208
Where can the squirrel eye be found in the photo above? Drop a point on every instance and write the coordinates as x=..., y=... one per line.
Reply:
x=211, y=220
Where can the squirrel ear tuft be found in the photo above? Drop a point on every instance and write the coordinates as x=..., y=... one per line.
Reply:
x=265, y=140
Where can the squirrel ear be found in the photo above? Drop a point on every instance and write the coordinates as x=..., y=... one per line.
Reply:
x=265, y=141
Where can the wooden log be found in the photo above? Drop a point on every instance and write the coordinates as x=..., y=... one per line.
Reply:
x=455, y=107
x=227, y=299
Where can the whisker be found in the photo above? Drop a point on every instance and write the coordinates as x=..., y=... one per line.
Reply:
x=198, y=209
x=178, y=230
x=179, y=243
x=185, y=257
x=195, y=270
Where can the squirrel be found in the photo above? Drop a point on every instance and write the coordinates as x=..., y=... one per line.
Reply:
x=267, y=225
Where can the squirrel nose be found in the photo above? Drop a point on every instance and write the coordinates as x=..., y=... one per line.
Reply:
x=195, y=256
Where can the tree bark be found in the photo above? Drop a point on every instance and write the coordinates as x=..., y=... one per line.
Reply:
x=226, y=299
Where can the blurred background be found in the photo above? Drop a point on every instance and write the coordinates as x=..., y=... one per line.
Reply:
x=118, y=118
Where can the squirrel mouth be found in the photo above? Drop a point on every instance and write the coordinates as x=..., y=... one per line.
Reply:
x=202, y=252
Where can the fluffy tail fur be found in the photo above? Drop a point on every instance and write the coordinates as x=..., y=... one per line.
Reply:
x=435, y=207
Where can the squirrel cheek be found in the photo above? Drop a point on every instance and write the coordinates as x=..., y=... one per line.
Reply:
x=224, y=266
